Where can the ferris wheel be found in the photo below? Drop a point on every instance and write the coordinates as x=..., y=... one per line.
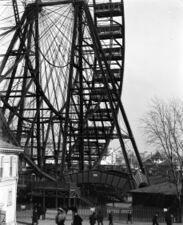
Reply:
x=61, y=79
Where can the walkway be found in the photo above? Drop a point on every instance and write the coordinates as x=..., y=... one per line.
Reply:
x=24, y=217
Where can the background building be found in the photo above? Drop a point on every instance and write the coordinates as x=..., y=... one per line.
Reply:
x=8, y=176
x=8, y=182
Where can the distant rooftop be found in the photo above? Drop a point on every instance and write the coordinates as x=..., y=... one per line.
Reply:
x=4, y=144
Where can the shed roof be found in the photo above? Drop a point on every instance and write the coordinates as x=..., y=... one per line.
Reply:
x=166, y=188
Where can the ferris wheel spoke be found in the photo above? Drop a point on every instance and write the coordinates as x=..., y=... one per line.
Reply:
x=50, y=52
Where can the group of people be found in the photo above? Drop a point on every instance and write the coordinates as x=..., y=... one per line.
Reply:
x=93, y=218
x=168, y=218
x=61, y=216
x=96, y=218
x=77, y=220
x=99, y=218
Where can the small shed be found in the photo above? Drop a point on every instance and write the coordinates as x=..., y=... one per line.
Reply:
x=155, y=198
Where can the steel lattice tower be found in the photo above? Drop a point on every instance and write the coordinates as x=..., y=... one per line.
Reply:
x=61, y=81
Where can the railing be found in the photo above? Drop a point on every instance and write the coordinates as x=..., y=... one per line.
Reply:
x=119, y=214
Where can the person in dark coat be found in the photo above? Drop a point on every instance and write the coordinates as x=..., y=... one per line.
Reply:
x=77, y=220
x=43, y=212
x=110, y=218
x=168, y=218
x=129, y=216
x=155, y=219
x=92, y=219
x=39, y=210
x=35, y=216
x=100, y=217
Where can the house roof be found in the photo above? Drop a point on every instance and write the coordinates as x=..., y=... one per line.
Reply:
x=150, y=159
x=166, y=188
x=6, y=147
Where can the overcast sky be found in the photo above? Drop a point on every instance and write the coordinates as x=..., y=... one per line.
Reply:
x=154, y=57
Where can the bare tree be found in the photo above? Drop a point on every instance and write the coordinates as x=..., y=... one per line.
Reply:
x=163, y=126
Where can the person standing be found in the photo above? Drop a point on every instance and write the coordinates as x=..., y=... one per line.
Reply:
x=77, y=220
x=110, y=218
x=168, y=218
x=100, y=217
x=39, y=210
x=43, y=212
x=35, y=216
x=92, y=219
x=129, y=216
x=155, y=219
x=60, y=217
